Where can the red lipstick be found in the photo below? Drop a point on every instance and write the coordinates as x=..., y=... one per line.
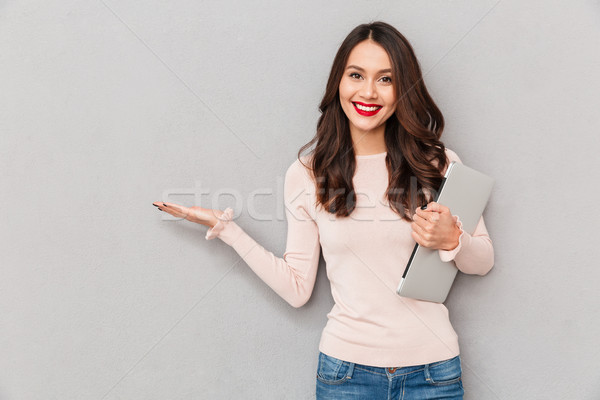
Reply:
x=366, y=113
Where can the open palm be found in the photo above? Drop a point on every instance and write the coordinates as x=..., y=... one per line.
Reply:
x=199, y=215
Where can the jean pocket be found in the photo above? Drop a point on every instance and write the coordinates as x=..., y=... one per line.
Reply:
x=445, y=372
x=332, y=370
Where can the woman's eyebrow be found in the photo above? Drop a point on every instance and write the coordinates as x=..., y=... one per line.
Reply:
x=362, y=69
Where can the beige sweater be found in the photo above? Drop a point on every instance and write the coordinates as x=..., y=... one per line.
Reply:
x=365, y=256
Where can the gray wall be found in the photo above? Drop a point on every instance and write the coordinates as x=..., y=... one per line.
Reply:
x=107, y=106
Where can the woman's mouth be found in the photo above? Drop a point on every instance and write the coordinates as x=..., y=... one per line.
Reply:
x=366, y=110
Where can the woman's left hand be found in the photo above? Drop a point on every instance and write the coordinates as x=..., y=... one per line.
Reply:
x=435, y=227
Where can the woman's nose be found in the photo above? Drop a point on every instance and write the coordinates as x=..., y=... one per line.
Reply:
x=368, y=90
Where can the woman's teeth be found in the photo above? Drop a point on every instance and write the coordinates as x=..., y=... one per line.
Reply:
x=363, y=108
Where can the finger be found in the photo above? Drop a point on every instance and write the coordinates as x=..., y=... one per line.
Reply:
x=426, y=206
x=158, y=205
x=422, y=213
x=419, y=230
x=417, y=238
x=433, y=206
x=426, y=214
x=420, y=240
x=172, y=205
x=423, y=236
x=420, y=221
x=175, y=209
x=167, y=210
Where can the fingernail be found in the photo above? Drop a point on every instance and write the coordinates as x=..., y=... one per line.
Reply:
x=165, y=205
x=160, y=208
x=424, y=207
x=155, y=205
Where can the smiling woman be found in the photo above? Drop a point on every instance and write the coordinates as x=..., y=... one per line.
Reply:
x=378, y=135
x=375, y=101
x=367, y=95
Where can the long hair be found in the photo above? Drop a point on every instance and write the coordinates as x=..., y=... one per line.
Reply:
x=412, y=133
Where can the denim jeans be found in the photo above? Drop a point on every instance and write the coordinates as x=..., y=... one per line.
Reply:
x=337, y=379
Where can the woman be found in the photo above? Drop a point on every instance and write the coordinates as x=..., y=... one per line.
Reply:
x=364, y=195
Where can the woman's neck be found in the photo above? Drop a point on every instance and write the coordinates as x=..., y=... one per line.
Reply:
x=368, y=142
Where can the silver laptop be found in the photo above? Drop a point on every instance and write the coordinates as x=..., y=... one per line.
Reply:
x=465, y=192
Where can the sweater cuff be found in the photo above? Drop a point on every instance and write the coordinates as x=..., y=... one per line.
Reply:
x=222, y=221
x=448, y=255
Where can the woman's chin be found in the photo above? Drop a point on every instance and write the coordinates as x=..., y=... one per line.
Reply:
x=365, y=127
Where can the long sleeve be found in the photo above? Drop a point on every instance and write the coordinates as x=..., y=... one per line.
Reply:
x=293, y=276
x=475, y=252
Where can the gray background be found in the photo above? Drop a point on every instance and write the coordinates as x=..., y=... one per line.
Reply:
x=107, y=106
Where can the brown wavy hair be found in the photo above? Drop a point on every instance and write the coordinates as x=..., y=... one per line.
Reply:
x=412, y=133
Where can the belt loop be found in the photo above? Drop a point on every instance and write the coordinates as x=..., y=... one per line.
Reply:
x=350, y=370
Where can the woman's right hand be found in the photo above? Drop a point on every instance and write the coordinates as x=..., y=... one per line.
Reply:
x=199, y=215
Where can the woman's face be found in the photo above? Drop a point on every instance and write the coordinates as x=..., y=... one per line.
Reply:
x=366, y=91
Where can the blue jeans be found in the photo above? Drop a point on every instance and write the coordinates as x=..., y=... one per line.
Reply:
x=337, y=379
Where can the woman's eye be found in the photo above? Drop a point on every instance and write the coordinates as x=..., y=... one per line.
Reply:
x=354, y=75
x=386, y=79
